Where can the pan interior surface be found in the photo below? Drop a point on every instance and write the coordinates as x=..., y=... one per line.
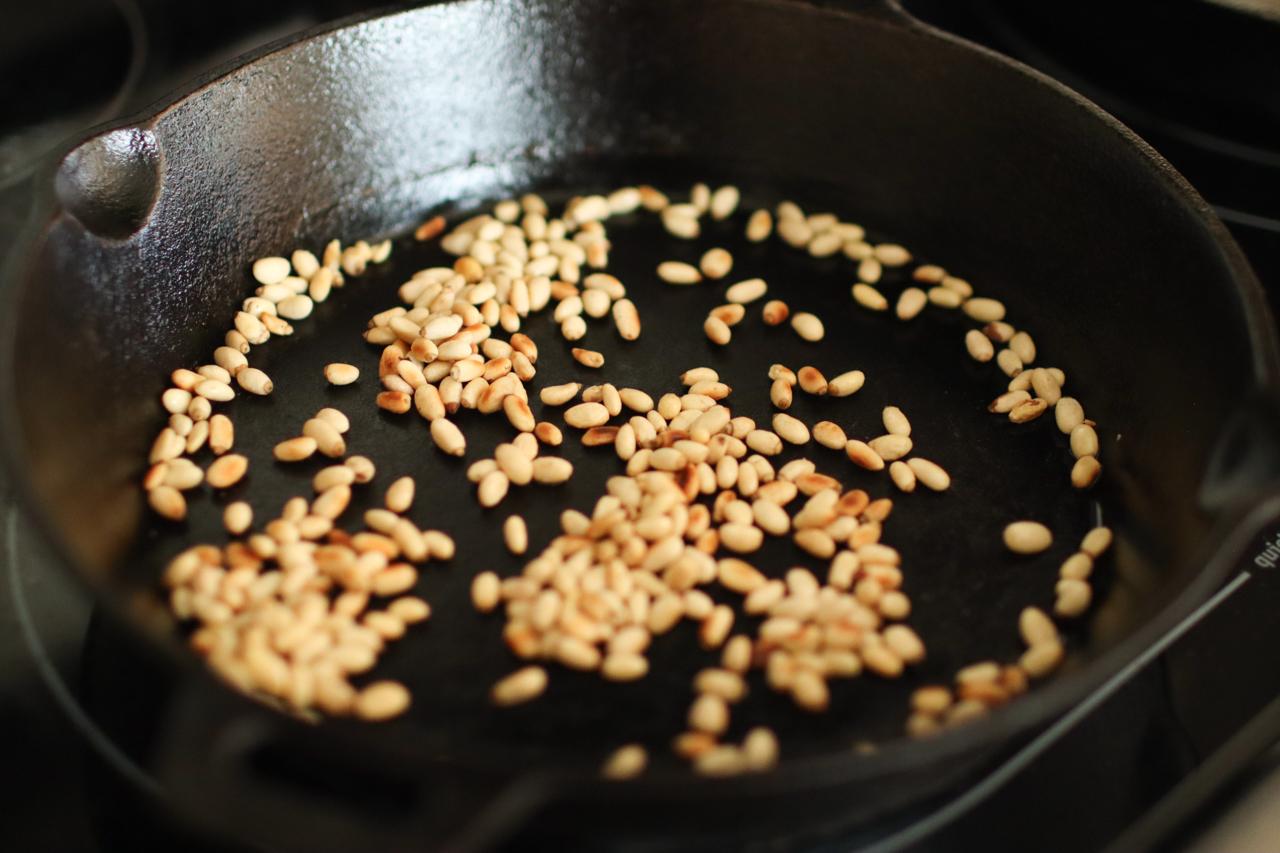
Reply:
x=360, y=132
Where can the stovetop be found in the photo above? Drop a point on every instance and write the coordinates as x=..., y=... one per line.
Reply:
x=1132, y=767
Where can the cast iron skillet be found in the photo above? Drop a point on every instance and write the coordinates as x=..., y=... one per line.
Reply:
x=1128, y=282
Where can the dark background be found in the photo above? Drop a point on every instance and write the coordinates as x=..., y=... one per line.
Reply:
x=1200, y=81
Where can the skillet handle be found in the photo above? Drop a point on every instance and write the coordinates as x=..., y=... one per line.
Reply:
x=245, y=771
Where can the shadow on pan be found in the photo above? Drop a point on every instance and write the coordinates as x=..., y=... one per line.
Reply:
x=1127, y=282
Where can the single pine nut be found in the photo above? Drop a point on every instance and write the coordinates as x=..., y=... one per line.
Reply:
x=1077, y=567
x=335, y=418
x=709, y=714
x=448, y=437
x=979, y=346
x=627, y=319
x=492, y=489
x=1069, y=414
x=868, y=297
x=780, y=393
x=790, y=429
x=558, y=395
x=168, y=502
x=381, y=700
x=1073, y=598
x=1085, y=472
x=1084, y=441
x=1028, y=410
x=748, y=290
x=1096, y=542
x=221, y=434
x=829, y=434
x=808, y=326
x=588, y=358
x=984, y=310
x=944, y=297
x=895, y=422
x=891, y=447
x=775, y=312
x=400, y=495
x=272, y=270
x=362, y=466
x=717, y=330
x=903, y=477
x=586, y=415
x=551, y=470
x=812, y=381
x=741, y=538
x=227, y=470
x=739, y=576
x=863, y=455
x=1008, y=361
x=1022, y=344
x=1008, y=401
x=1027, y=537
x=520, y=686
x=911, y=302
x=716, y=263
x=624, y=667
x=678, y=272
x=1042, y=658
x=759, y=226
x=515, y=534
x=486, y=591
x=338, y=373
x=627, y=762
x=931, y=474
x=846, y=383
x=328, y=440
x=237, y=517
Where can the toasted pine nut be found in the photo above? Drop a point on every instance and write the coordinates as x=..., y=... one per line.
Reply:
x=1028, y=410
x=709, y=714
x=678, y=272
x=1027, y=537
x=485, y=591
x=979, y=346
x=1008, y=401
x=891, y=447
x=328, y=440
x=759, y=226
x=1068, y=413
x=944, y=297
x=588, y=358
x=863, y=455
x=1085, y=472
x=221, y=434
x=748, y=290
x=226, y=471
x=400, y=495
x=520, y=686
x=337, y=373
x=237, y=517
x=911, y=302
x=829, y=434
x=448, y=437
x=984, y=310
x=903, y=477
x=811, y=380
x=168, y=502
x=492, y=489
x=775, y=312
x=382, y=700
x=1084, y=441
x=1036, y=627
x=808, y=326
x=361, y=466
x=1042, y=658
x=1073, y=598
x=1096, y=542
x=716, y=263
x=586, y=415
x=627, y=762
x=515, y=534
x=791, y=430
x=551, y=470
x=717, y=330
x=868, y=297
x=627, y=319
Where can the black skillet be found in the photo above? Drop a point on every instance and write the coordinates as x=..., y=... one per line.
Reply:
x=138, y=256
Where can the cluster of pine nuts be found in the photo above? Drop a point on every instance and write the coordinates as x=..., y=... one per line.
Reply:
x=284, y=613
x=289, y=289
x=599, y=593
x=982, y=686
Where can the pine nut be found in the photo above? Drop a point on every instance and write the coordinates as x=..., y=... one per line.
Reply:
x=395, y=580
x=790, y=429
x=931, y=474
x=1077, y=567
x=759, y=226
x=1069, y=414
x=338, y=373
x=868, y=297
x=882, y=660
x=984, y=310
x=558, y=395
x=709, y=714
x=911, y=302
x=741, y=538
x=944, y=297
x=400, y=495
x=678, y=272
x=551, y=470
x=808, y=326
x=746, y=291
x=335, y=418
x=586, y=415
x=486, y=591
x=448, y=437
x=775, y=312
x=829, y=434
x=627, y=319
x=548, y=433
x=1084, y=441
x=1022, y=344
x=381, y=700
x=1042, y=658
x=1028, y=410
x=227, y=470
x=1027, y=537
x=237, y=517
x=167, y=502
x=738, y=575
x=1073, y=598
x=492, y=489
x=1008, y=401
x=715, y=263
x=624, y=667
x=271, y=270
x=849, y=382
x=361, y=466
x=627, y=762
x=903, y=477
x=979, y=346
x=811, y=380
x=765, y=442
x=327, y=438
x=1085, y=472
x=780, y=394
x=1096, y=542
x=520, y=686
x=891, y=447
x=864, y=455
x=515, y=534
x=1008, y=361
